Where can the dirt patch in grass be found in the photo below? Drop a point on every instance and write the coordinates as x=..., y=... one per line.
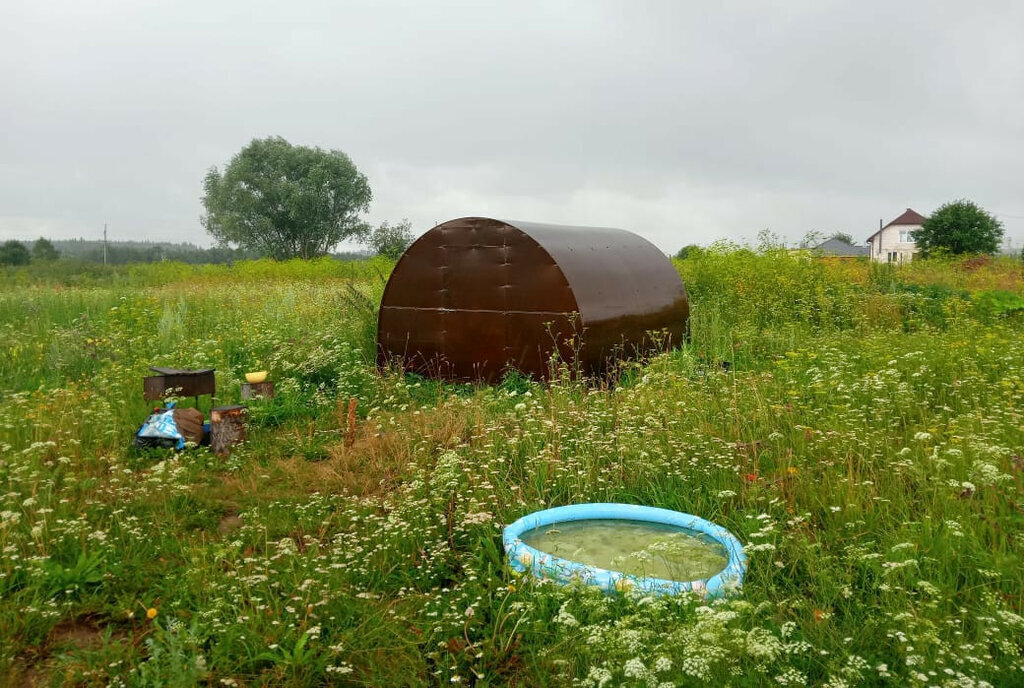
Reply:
x=84, y=633
x=34, y=676
x=229, y=524
x=39, y=666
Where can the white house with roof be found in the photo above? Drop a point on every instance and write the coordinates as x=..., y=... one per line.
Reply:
x=894, y=243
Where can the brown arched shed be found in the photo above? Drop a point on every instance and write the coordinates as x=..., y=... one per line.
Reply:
x=475, y=296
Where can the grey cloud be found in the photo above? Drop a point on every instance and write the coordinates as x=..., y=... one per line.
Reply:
x=682, y=121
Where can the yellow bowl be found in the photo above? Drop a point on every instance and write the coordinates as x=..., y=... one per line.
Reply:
x=257, y=377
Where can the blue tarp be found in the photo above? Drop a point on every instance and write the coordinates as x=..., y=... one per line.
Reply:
x=160, y=430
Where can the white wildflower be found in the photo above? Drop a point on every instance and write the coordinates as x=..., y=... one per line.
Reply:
x=635, y=668
x=565, y=618
x=599, y=676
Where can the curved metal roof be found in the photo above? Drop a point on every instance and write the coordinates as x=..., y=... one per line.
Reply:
x=612, y=272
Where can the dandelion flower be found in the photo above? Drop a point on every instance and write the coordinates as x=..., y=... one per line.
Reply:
x=151, y=613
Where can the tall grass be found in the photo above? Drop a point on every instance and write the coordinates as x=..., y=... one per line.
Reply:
x=865, y=444
x=71, y=273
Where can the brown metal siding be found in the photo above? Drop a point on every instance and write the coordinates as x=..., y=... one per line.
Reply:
x=475, y=295
x=469, y=298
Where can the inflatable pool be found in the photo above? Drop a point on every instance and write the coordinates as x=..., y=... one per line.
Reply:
x=544, y=564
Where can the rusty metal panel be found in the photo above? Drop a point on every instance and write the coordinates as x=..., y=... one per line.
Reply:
x=532, y=338
x=429, y=277
x=464, y=267
x=412, y=335
x=474, y=296
x=474, y=343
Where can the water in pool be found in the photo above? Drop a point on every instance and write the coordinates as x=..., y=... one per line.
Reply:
x=639, y=548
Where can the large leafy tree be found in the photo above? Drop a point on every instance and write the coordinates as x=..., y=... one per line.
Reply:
x=286, y=201
x=959, y=227
x=391, y=240
x=14, y=253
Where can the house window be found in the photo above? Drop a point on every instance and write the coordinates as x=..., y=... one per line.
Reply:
x=905, y=236
x=893, y=256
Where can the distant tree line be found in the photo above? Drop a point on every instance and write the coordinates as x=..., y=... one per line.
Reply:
x=121, y=252
x=14, y=253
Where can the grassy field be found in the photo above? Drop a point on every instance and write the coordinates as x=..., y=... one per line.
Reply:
x=866, y=445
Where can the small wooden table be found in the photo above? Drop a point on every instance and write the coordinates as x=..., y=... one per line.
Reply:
x=177, y=382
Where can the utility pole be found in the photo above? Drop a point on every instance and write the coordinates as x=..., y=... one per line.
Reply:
x=104, y=243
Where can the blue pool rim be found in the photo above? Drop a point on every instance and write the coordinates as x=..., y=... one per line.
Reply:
x=522, y=557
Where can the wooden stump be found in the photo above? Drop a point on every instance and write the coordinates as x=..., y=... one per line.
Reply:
x=227, y=428
x=256, y=390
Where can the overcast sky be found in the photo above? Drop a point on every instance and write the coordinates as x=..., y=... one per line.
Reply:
x=682, y=121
